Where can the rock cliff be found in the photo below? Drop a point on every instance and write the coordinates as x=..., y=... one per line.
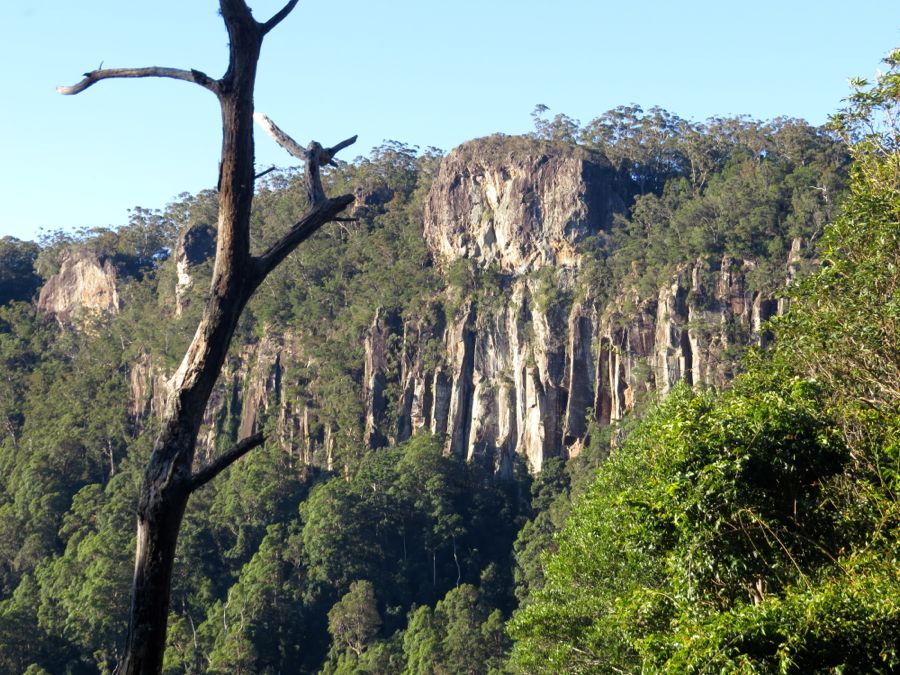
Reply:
x=520, y=380
x=523, y=373
x=518, y=204
x=524, y=376
x=85, y=284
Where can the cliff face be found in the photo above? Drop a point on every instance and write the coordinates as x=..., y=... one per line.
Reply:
x=519, y=380
x=526, y=377
x=518, y=204
x=83, y=285
x=522, y=374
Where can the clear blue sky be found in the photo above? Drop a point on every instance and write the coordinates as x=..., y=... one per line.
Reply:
x=420, y=71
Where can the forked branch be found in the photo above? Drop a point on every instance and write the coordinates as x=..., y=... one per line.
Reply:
x=222, y=462
x=313, y=156
x=321, y=209
x=95, y=76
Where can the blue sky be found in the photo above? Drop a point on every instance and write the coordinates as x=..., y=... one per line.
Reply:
x=424, y=72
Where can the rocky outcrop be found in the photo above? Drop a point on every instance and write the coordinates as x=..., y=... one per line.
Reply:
x=368, y=203
x=516, y=381
x=250, y=396
x=518, y=204
x=195, y=245
x=148, y=390
x=85, y=285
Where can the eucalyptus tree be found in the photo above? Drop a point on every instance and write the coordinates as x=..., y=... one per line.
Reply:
x=170, y=476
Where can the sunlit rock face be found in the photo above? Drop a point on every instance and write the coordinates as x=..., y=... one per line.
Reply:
x=524, y=379
x=519, y=382
x=518, y=204
x=513, y=378
x=84, y=285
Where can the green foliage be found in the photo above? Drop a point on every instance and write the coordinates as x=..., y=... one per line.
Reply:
x=259, y=626
x=550, y=295
x=762, y=520
x=459, y=636
x=411, y=520
x=755, y=530
x=844, y=327
x=354, y=620
x=710, y=504
x=85, y=592
x=422, y=642
x=134, y=248
x=18, y=279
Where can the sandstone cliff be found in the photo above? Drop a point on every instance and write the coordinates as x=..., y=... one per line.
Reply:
x=518, y=204
x=522, y=373
x=524, y=377
x=85, y=284
x=519, y=380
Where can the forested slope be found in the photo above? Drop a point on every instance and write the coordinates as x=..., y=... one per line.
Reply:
x=416, y=367
x=756, y=529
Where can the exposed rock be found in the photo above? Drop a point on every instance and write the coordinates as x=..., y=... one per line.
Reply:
x=148, y=390
x=533, y=382
x=251, y=396
x=376, y=376
x=519, y=376
x=581, y=377
x=673, y=354
x=195, y=245
x=460, y=343
x=545, y=389
x=370, y=202
x=421, y=339
x=794, y=265
x=519, y=380
x=518, y=203
x=85, y=284
x=624, y=356
x=262, y=386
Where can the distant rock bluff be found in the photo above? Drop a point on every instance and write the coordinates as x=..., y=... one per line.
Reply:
x=518, y=203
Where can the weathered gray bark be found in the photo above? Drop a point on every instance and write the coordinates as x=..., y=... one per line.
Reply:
x=170, y=477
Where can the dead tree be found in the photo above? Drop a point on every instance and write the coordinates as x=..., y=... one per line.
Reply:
x=170, y=477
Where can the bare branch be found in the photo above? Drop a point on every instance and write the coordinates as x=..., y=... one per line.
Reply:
x=318, y=215
x=222, y=462
x=317, y=156
x=279, y=17
x=263, y=173
x=313, y=156
x=285, y=141
x=95, y=76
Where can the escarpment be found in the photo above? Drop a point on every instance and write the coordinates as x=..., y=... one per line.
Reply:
x=523, y=368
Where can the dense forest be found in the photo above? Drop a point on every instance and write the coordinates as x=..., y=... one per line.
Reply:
x=746, y=520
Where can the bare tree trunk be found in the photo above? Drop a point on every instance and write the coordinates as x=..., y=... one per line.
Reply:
x=170, y=477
